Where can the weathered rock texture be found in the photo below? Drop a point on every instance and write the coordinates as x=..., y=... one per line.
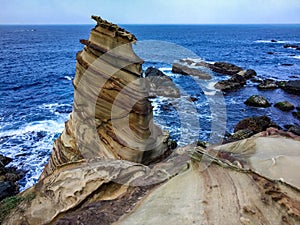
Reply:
x=112, y=117
x=252, y=181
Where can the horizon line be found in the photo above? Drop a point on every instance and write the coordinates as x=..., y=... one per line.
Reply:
x=143, y=24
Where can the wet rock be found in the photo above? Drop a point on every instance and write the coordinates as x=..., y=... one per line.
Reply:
x=257, y=101
x=8, y=178
x=292, y=87
x=239, y=135
x=248, y=74
x=294, y=129
x=160, y=84
x=296, y=115
x=235, y=82
x=254, y=124
x=7, y=189
x=186, y=70
x=4, y=160
x=267, y=84
x=225, y=68
x=287, y=64
x=284, y=106
x=274, y=41
x=270, y=53
x=291, y=46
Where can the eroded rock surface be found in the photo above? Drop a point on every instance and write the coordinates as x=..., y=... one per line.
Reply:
x=252, y=181
x=112, y=117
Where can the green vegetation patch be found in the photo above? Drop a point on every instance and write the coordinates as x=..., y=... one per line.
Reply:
x=8, y=204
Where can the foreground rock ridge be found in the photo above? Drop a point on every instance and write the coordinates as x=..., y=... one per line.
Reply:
x=112, y=165
x=112, y=117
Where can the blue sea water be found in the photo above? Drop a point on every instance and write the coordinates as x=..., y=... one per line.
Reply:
x=38, y=64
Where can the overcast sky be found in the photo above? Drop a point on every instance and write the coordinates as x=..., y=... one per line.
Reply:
x=150, y=11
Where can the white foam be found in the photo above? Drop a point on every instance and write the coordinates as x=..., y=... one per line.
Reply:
x=165, y=68
x=296, y=57
x=269, y=41
x=50, y=126
x=68, y=77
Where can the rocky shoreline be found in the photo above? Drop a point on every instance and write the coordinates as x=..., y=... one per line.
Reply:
x=112, y=164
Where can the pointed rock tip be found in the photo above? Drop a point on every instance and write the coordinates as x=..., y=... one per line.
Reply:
x=111, y=26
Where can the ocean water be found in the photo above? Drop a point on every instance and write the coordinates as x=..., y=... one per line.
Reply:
x=38, y=65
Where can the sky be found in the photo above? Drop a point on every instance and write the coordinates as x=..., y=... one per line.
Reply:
x=150, y=11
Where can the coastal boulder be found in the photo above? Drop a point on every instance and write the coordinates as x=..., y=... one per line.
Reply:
x=257, y=101
x=234, y=82
x=225, y=68
x=284, y=106
x=160, y=84
x=8, y=178
x=292, y=87
x=247, y=74
x=267, y=84
x=254, y=124
x=186, y=70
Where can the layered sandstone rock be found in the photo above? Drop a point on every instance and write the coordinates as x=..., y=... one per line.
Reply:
x=252, y=181
x=112, y=117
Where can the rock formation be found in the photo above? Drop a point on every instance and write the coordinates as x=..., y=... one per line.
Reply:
x=257, y=101
x=112, y=117
x=284, y=106
x=186, y=70
x=160, y=84
x=109, y=176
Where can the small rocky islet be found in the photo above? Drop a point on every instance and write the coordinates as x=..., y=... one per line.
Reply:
x=112, y=164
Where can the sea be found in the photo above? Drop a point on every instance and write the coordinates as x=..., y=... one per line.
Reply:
x=37, y=66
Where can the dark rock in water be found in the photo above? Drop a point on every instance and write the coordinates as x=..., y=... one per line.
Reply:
x=287, y=64
x=257, y=101
x=235, y=82
x=7, y=189
x=270, y=53
x=292, y=87
x=297, y=115
x=160, y=84
x=225, y=68
x=267, y=84
x=187, y=61
x=254, y=124
x=291, y=46
x=273, y=40
x=239, y=135
x=185, y=70
x=284, y=106
x=8, y=178
x=294, y=129
x=248, y=74
x=298, y=108
x=153, y=72
x=4, y=160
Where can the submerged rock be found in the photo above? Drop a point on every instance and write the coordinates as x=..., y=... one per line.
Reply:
x=284, y=106
x=257, y=101
x=160, y=84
